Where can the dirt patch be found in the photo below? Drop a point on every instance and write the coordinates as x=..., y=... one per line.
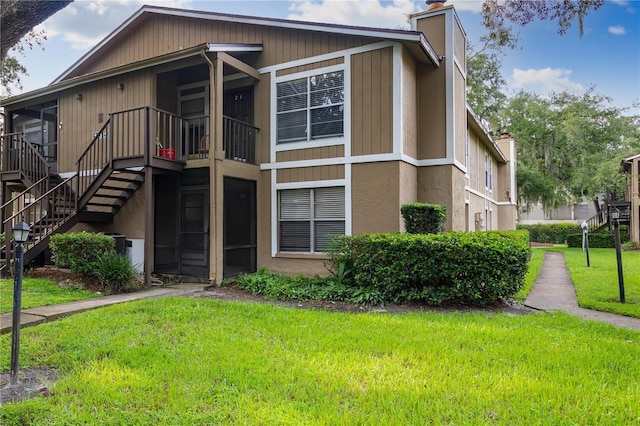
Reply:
x=31, y=383
x=233, y=293
x=66, y=278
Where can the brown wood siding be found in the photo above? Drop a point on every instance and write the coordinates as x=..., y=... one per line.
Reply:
x=460, y=118
x=372, y=102
x=432, y=125
x=309, y=67
x=375, y=197
x=410, y=105
x=307, y=174
x=80, y=118
x=160, y=35
x=335, y=151
x=459, y=45
x=433, y=27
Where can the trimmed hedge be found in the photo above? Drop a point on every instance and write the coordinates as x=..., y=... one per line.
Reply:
x=599, y=240
x=80, y=250
x=456, y=267
x=553, y=233
x=420, y=218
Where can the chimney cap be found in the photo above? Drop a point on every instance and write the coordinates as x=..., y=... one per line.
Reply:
x=434, y=4
x=505, y=135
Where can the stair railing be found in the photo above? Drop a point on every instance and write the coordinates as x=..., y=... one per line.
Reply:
x=20, y=155
x=41, y=216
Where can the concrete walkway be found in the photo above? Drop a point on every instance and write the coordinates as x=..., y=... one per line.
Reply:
x=33, y=316
x=554, y=291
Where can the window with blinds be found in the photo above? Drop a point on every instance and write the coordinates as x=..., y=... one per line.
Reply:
x=310, y=108
x=309, y=217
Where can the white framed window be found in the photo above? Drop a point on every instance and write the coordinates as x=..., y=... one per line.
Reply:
x=308, y=217
x=310, y=108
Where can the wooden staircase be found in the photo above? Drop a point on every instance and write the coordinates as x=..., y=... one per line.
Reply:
x=107, y=174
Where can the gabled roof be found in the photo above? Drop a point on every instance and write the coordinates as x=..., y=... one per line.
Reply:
x=417, y=40
x=629, y=159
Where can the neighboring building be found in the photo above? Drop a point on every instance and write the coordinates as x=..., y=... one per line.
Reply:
x=631, y=167
x=221, y=143
x=576, y=213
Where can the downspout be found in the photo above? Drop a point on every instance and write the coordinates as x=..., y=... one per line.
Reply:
x=213, y=217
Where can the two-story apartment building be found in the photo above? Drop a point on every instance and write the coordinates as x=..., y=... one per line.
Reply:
x=223, y=143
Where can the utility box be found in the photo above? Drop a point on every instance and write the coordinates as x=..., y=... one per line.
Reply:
x=135, y=252
x=121, y=244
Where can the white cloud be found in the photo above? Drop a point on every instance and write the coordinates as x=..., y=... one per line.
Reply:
x=84, y=23
x=620, y=2
x=544, y=80
x=617, y=30
x=370, y=13
x=468, y=5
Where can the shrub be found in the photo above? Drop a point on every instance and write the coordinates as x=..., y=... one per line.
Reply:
x=79, y=250
x=598, y=240
x=553, y=233
x=631, y=245
x=116, y=273
x=282, y=287
x=460, y=267
x=420, y=218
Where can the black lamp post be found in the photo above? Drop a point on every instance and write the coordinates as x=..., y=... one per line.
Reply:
x=20, y=235
x=585, y=240
x=615, y=215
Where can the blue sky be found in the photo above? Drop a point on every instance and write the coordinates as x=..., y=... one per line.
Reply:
x=607, y=57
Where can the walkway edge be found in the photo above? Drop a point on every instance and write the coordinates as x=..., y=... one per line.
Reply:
x=35, y=316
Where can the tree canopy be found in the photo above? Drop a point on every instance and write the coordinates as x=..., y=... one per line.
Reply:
x=569, y=145
x=18, y=17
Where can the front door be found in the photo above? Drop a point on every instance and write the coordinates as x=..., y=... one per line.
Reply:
x=238, y=104
x=194, y=231
x=239, y=241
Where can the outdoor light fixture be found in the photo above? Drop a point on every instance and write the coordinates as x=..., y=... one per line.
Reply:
x=120, y=86
x=79, y=96
x=615, y=215
x=20, y=233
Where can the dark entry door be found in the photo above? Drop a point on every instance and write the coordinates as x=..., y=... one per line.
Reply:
x=194, y=231
x=238, y=104
x=239, y=226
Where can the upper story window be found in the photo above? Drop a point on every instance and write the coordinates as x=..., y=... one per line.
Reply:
x=310, y=108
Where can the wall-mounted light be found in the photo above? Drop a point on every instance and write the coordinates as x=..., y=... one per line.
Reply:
x=120, y=86
x=79, y=96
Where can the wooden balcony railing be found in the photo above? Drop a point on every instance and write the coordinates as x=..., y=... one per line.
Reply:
x=18, y=156
x=239, y=140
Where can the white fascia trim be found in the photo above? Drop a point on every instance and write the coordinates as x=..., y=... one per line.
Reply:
x=398, y=106
x=348, y=216
x=234, y=47
x=449, y=83
x=317, y=143
x=311, y=184
x=460, y=68
x=488, y=198
x=374, y=158
x=324, y=57
x=274, y=214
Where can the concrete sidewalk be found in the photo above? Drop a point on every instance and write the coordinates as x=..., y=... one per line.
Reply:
x=34, y=316
x=554, y=291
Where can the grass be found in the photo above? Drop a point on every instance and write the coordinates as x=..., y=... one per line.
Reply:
x=597, y=285
x=535, y=264
x=184, y=361
x=39, y=292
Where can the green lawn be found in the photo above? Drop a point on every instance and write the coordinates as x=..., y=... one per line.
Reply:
x=39, y=292
x=535, y=264
x=597, y=286
x=185, y=361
